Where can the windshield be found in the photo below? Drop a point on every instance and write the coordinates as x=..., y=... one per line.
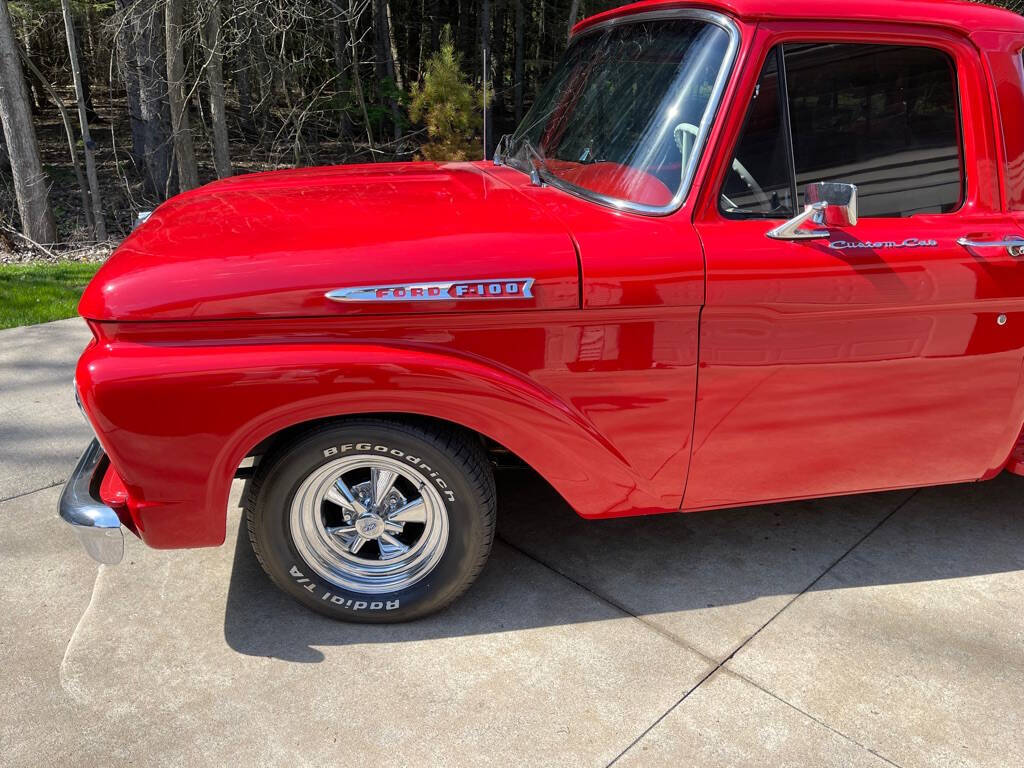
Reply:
x=626, y=112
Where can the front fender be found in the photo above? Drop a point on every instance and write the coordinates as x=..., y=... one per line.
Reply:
x=177, y=420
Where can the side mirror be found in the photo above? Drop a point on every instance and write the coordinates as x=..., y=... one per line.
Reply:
x=840, y=202
x=829, y=204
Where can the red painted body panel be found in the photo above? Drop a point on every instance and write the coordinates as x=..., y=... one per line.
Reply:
x=627, y=259
x=591, y=399
x=1006, y=67
x=271, y=245
x=614, y=180
x=666, y=362
x=877, y=352
x=965, y=17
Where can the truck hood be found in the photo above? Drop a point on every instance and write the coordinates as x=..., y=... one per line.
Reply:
x=274, y=244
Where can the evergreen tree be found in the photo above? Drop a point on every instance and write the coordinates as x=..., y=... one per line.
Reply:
x=448, y=105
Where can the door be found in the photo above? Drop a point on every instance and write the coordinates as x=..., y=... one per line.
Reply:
x=886, y=354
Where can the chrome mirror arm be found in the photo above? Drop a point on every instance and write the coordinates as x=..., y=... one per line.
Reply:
x=793, y=229
x=829, y=204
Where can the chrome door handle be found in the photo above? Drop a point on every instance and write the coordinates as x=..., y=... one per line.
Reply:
x=1014, y=245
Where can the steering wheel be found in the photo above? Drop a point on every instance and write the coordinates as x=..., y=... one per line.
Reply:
x=685, y=135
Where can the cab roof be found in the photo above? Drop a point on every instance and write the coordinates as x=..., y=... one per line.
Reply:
x=964, y=17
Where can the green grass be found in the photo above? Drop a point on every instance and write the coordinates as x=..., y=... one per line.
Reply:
x=41, y=292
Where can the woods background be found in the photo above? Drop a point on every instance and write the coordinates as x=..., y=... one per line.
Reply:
x=110, y=107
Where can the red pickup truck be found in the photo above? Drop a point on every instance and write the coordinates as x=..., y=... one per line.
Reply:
x=735, y=253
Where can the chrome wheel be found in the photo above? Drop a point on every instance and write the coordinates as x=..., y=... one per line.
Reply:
x=370, y=524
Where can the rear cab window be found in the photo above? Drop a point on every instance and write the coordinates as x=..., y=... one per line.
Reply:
x=883, y=117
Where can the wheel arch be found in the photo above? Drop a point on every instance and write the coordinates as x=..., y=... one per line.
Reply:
x=284, y=436
x=535, y=429
x=230, y=400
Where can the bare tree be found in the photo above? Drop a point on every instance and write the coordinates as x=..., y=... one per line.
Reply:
x=265, y=83
x=354, y=12
x=519, y=68
x=30, y=184
x=99, y=226
x=385, y=60
x=213, y=41
x=83, y=190
x=36, y=91
x=184, y=152
x=574, y=12
x=485, y=48
x=341, y=64
x=140, y=46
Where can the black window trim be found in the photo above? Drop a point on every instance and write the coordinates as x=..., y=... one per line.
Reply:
x=787, y=125
x=783, y=105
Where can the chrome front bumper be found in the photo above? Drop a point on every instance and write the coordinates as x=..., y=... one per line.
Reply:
x=96, y=524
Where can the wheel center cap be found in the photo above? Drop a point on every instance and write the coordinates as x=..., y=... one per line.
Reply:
x=369, y=526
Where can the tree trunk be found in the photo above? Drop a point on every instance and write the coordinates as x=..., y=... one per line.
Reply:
x=36, y=91
x=30, y=185
x=215, y=78
x=243, y=64
x=357, y=82
x=83, y=76
x=244, y=86
x=188, y=174
x=520, y=62
x=99, y=226
x=485, y=69
x=264, y=91
x=499, y=103
x=72, y=150
x=393, y=59
x=538, y=50
x=385, y=62
x=341, y=54
x=133, y=91
x=422, y=41
x=140, y=48
x=433, y=6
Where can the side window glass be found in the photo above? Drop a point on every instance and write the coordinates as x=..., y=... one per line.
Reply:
x=758, y=183
x=885, y=118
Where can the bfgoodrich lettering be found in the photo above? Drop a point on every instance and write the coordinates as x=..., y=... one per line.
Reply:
x=427, y=471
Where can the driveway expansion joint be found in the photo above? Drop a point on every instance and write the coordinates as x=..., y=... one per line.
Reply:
x=36, y=490
x=607, y=600
x=737, y=649
x=809, y=716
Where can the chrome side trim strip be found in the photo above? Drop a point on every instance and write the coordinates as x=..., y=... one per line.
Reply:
x=96, y=524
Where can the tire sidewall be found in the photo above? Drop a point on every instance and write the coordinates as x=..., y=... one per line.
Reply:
x=462, y=503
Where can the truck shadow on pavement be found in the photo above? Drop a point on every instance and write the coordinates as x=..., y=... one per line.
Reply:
x=693, y=574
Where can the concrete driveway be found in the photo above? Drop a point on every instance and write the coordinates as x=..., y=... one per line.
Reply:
x=885, y=629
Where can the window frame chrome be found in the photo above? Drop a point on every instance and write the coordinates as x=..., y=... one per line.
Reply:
x=708, y=122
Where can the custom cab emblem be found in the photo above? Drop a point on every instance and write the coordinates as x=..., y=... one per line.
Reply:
x=504, y=288
x=910, y=242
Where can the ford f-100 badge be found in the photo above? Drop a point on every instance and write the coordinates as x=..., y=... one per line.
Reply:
x=504, y=288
